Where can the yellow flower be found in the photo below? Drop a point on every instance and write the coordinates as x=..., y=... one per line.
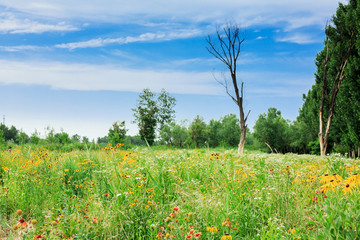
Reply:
x=292, y=230
x=347, y=189
x=19, y=212
x=226, y=236
x=212, y=229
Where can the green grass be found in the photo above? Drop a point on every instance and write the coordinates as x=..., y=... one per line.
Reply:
x=175, y=194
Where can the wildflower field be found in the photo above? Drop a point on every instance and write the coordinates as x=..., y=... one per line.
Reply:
x=176, y=194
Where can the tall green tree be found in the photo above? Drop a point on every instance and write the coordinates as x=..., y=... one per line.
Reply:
x=199, y=132
x=63, y=137
x=35, y=137
x=22, y=138
x=9, y=133
x=271, y=130
x=166, y=112
x=174, y=134
x=151, y=113
x=230, y=130
x=117, y=133
x=214, y=129
x=339, y=49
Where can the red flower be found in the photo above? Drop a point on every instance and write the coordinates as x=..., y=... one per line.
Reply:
x=106, y=195
x=38, y=236
x=176, y=209
x=189, y=236
x=21, y=221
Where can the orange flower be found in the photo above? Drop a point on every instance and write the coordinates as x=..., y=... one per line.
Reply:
x=197, y=235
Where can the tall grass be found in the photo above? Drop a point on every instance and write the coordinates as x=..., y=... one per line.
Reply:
x=176, y=194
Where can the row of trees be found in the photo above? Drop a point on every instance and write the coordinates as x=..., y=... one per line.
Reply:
x=12, y=135
x=198, y=133
x=330, y=114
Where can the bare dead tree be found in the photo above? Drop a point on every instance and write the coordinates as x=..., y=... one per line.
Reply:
x=226, y=47
x=323, y=138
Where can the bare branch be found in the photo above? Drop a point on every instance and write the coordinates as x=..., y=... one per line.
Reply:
x=247, y=115
x=225, y=85
x=228, y=52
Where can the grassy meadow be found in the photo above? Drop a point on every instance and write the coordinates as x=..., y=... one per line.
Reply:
x=176, y=194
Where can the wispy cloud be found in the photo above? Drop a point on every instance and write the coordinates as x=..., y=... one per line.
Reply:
x=21, y=48
x=159, y=36
x=246, y=12
x=299, y=38
x=88, y=77
x=9, y=23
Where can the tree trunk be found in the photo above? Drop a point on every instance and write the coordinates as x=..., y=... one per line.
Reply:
x=359, y=152
x=323, y=146
x=242, y=139
x=323, y=140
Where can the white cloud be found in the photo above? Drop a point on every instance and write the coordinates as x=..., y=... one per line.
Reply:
x=89, y=77
x=9, y=23
x=159, y=36
x=143, y=11
x=21, y=48
x=299, y=38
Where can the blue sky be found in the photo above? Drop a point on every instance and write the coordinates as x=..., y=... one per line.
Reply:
x=80, y=65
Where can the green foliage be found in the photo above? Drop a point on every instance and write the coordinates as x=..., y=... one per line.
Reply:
x=50, y=136
x=35, y=137
x=345, y=127
x=314, y=147
x=117, y=133
x=199, y=132
x=135, y=141
x=166, y=110
x=2, y=138
x=75, y=138
x=63, y=137
x=151, y=113
x=103, y=140
x=214, y=129
x=174, y=135
x=22, y=138
x=272, y=129
x=10, y=134
x=230, y=130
